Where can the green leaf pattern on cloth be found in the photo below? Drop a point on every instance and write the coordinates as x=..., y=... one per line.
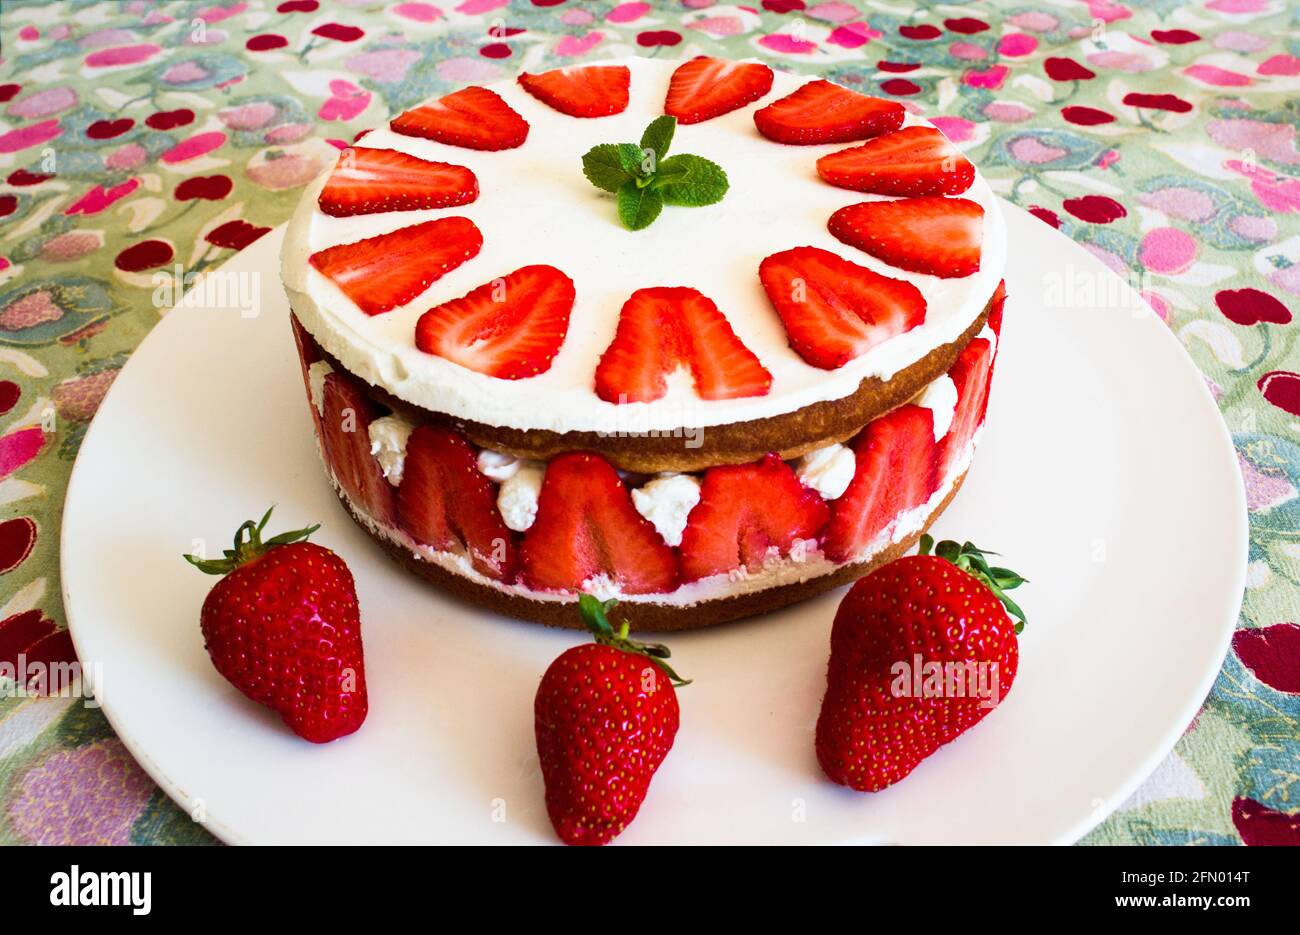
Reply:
x=139, y=139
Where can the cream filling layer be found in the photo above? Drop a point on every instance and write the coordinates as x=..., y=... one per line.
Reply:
x=804, y=563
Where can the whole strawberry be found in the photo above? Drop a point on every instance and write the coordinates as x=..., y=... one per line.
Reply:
x=283, y=627
x=606, y=715
x=921, y=650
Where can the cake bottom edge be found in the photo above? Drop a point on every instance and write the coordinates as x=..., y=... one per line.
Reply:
x=644, y=615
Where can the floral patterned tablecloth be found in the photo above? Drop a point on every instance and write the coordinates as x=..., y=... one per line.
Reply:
x=138, y=135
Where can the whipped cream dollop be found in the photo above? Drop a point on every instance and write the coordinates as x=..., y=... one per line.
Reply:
x=666, y=502
x=497, y=465
x=316, y=375
x=829, y=470
x=537, y=207
x=940, y=397
x=388, y=438
x=517, y=496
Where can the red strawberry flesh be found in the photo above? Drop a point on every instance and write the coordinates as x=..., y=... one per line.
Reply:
x=444, y=501
x=509, y=328
x=822, y=112
x=935, y=235
x=896, y=471
x=369, y=181
x=587, y=527
x=910, y=162
x=834, y=310
x=663, y=328
x=345, y=437
x=704, y=88
x=971, y=373
x=380, y=273
x=472, y=118
x=588, y=91
x=747, y=512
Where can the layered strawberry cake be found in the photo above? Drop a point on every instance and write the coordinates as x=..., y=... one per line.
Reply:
x=702, y=337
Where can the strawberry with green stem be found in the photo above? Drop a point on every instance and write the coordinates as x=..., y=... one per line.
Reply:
x=947, y=613
x=283, y=626
x=606, y=715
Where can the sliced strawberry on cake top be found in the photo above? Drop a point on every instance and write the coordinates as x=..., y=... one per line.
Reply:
x=834, y=310
x=935, y=235
x=971, y=373
x=746, y=513
x=368, y=181
x=912, y=161
x=587, y=91
x=444, y=501
x=509, y=328
x=346, y=414
x=380, y=273
x=896, y=471
x=823, y=112
x=666, y=328
x=472, y=118
x=704, y=88
x=587, y=527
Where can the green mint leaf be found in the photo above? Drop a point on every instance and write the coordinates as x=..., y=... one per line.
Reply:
x=610, y=165
x=690, y=181
x=659, y=136
x=638, y=207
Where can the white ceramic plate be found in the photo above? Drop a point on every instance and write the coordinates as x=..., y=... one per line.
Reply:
x=1106, y=476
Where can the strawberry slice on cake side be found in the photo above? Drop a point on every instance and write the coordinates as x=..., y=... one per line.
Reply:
x=664, y=328
x=834, y=310
x=745, y=513
x=586, y=91
x=345, y=417
x=932, y=234
x=471, y=118
x=704, y=88
x=896, y=470
x=823, y=112
x=380, y=273
x=370, y=181
x=587, y=528
x=510, y=328
x=444, y=502
x=971, y=373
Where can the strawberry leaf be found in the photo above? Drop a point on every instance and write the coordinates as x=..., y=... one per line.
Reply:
x=594, y=617
x=690, y=181
x=638, y=207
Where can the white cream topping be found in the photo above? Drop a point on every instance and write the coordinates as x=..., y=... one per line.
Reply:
x=316, y=375
x=666, y=502
x=829, y=470
x=517, y=498
x=497, y=465
x=388, y=438
x=536, y=207
x=940, y=397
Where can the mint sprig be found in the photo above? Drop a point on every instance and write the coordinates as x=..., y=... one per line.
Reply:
x=645, y=178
